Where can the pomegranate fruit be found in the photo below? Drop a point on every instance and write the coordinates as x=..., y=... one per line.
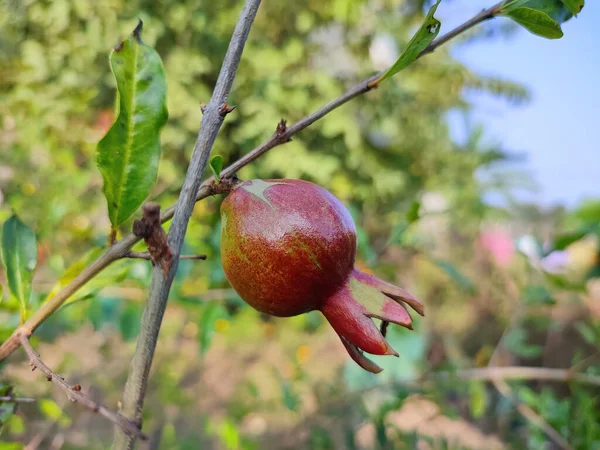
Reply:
x=288, y=247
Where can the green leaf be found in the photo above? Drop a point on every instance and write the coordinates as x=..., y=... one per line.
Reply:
x=206, y=327
x=129, y=322
x=111, y=276
x=413, y=213
x=73, y=271
x=516, y=342
x=216, y=165
x=53, y=412
x=128, y=155
x=564, y=240
x=537, y=295
x=589, y=333
x=537, y=22
x=478, y=399
x=575, y=6
x=555, y=9
x=7, y=409
x=11, y=446
x=460, y=279
x=19, y=254
x=419, y=42
x=288, y=397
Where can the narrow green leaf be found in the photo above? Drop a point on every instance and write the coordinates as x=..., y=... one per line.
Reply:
x=419, y=42
x=478, y=399
x=111, y=276
x=537, y=22
x=73, y=271
x=129, y=322
x=128, y=155
x=7, y=409
x=206, y=327
x=19, y=254
x=413, y=213
x=216, y=165
x=52, y=411
x=461, y=280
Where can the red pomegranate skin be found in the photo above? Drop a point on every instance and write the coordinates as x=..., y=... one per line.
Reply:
x=288, y=247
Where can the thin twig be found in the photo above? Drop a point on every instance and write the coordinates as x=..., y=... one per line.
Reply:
x=212, y=119
x=9, y=399
x=120, y=249
x=146, y=256
x=523, y=373
x=531, y=373
x=75, y=394
x=532, y=416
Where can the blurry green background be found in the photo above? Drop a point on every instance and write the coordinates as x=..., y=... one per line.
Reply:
x=518, y=279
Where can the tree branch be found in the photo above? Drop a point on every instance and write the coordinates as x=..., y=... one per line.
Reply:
x=146, y=256
x=9, y=399
x=212, y=119
x=120, y=249
x=523, y=373
x=75, y=395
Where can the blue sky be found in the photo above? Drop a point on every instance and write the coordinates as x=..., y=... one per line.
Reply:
x=559, y=130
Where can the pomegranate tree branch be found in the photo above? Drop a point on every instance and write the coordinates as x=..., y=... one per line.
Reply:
x=212, y=119
x=148, y=257
x=75, y=395
x=282, y=135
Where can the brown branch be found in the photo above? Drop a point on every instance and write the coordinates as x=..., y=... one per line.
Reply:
x=524, y=373
x=146, y=256
x=75, y=394
x=120, y=249
x=158, y=295
x=11, y=399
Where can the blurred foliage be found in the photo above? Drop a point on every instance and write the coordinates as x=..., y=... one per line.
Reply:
x=226, y=376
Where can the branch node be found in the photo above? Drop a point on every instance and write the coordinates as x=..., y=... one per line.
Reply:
x=148, y=257
x=224, y=110
x=281, y=130
x=149, y=228
x=202, y=108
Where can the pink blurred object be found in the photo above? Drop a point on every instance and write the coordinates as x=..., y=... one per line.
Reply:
x=499, y=244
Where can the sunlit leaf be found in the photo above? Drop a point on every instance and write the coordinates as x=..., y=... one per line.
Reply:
x=543, y=17
x=73, y=271
x=129, y=154
x=19, y=255
x=478, y=399
x=536, y=22
x=216, y=165
x=413, y=213
x=112, y=275
x=419, y=42
x=52, y=411
x=10, y=445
